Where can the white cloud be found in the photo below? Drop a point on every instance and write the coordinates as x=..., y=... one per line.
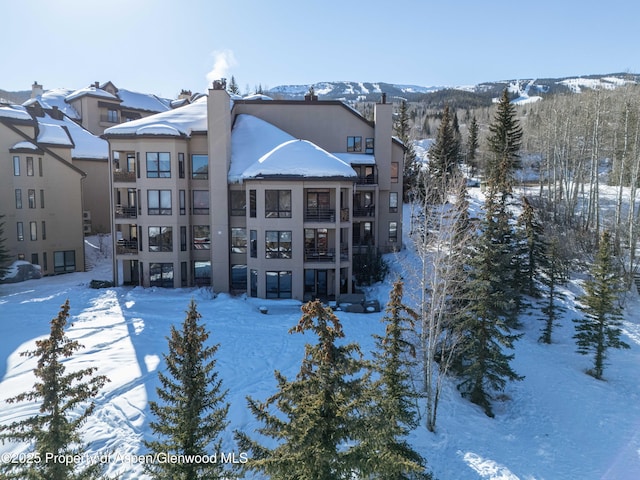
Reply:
x=224, y=60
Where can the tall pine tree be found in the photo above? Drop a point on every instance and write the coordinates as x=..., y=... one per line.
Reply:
x=66, y=402
x=319, y=421
x=553, y=275
x=491, y=298
x=599, y=329
x=443, y=159
x=472, y=147
x=392, y=413
x=191, y=412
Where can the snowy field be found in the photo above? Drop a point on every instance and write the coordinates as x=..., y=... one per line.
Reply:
x=559, y=423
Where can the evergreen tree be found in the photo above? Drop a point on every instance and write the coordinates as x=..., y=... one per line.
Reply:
x=392, y=414
x=4, y=252
x=491, y=297
x=319, y=419
x=191, y=412
x=443, y=159
x=472, y=147
x=65, y=405
x=533, y=250
x=599, y=329
x=552, y=276
x=233, y=86
x=504, y=141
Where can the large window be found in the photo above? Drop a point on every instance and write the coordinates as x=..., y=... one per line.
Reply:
x=238, y=240
x=201, y=237
x=252, y=204
x=18, y=198
x=64, y=261
x=277, y=244
x=32, y=198
x=393, y=202
x=161, y=239
x=368, y=145
x=159, y=202
x=238, y=203
x=30, y=171
x=393, y=231
x=158, y=165
x=20, y=231
x=354, y=144
x=161, y=275
x=239, y=277
x=277, y=203
x=202, y=274
x=112, y=116
x=33, y=230
x=16, y=166
x=395, y=168
x=253, y=243
x=200, y=202
x=200, y=167
x=278, y=284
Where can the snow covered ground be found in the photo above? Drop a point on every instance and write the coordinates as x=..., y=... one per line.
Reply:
x=558, y=423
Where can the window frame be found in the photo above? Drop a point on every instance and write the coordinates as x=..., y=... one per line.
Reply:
x=274, y=238
x=354, y=143
x=282, y=207
x=280, y=276
x=196, y=232
x=161, y=208
x=199, y=175
x=162, y=165
x=195, y=209
x=162, y=241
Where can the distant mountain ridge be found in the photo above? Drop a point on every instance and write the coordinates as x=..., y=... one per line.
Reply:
x=370, y=91
x=468, y=95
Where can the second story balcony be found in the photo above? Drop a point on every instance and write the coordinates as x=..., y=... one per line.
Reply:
x=315, y=214
x=127, y=247
x=126, y=212
x=123, y=176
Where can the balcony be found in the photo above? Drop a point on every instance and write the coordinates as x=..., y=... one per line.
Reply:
x=320, y=215
x=344, y=215
x=121, y=176
x=368, y=211
x=126, y=212
x=370, y=179
x=319, y=255
x=127, y=247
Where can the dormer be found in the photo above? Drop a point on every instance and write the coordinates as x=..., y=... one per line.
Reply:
x=110, y=87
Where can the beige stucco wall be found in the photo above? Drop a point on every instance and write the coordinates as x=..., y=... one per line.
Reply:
x=61, y=188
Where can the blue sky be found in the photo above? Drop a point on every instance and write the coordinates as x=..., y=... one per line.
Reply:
x=163, y=46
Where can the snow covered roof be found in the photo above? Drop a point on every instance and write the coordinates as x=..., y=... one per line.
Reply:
x=55, y=98
x=299, y=158
x=251, y=139
x=143, y=101
x=15, y=112
x=181, y=121
x=25, y=146
x=85, y=144
x=93, y=91
x=356, y=158
x=51, y=134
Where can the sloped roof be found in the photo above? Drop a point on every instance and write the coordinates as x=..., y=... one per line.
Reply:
x=299, y=158
x=15, y=112
x=177, y=122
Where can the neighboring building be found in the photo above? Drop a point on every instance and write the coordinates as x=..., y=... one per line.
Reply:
x=272, y=198
x=41, y=189
x=95, y=108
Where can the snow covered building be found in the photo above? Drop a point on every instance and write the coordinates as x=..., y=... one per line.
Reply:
x=96, y=108
x=270, y=197
x=41, y=186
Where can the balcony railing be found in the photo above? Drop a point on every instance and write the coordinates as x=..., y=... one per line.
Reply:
x=319, y=255
x=126, y=212
x=368, y=211
x=320, y=215
x=121, y=176
x=367, y=179
x=127, y=247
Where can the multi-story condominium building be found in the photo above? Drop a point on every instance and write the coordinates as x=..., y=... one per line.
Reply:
x=273, y=198
x=96, y=108
x=41, y=187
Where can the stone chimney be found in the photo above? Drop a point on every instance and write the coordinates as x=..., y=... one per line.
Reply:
x=36, y=90
x=185, y=95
